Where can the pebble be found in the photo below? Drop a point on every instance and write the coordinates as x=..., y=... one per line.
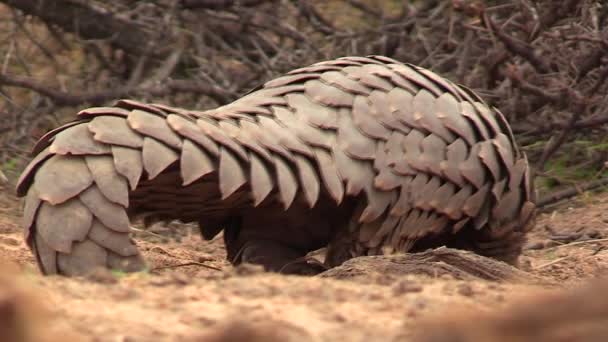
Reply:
x=534, y=245
x=405, y=286
x=248, y=269
x=101, y=276
x=465, y=290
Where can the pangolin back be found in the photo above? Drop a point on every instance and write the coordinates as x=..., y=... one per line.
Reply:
x=364, y=154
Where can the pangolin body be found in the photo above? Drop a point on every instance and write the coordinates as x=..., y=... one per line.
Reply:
x=363, y=155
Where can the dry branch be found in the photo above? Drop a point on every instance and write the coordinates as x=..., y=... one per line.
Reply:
x=219, y=4
x=62, y=98
x=519, y=47
x=571, y=192
x=89, y=21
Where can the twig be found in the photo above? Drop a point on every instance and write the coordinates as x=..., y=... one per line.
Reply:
x=600, y=81
x=365, y=8
x=138, y=71
x=552, y=262
x=566, y=97
x=190, y=263
x=518, y=47
x=19, y=21
x=93, y=48
x=165, y=70
x=555, y=142
x=315, y=18
x=590, y=62
x=147, y=232
x=577, y=243
x=219, y=4
x=514, y=74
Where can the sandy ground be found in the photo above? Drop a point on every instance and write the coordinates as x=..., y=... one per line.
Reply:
x=181, y=298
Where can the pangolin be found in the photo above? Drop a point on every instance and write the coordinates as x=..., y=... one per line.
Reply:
x=362, y=155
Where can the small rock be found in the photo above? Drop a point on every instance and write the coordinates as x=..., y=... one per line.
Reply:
x=125, y=294
x=180, y=279
x=465, y=290
x=376, y=297
x=205, y=321
x=565, y=237
x=203, y=259
x=102, y=276
x=496, y=287
x=159, y=250
x=247, y=269
x=9, y=241
x=3, y=178
x=171, y=279
x=384, y=279
x=584, y=237
x=7, y=229
x=447, y=277
x=405, y=286
x=420, y=303
x=411, y=313
x=338, y=317
x=551, y=243
x=534, y=245
x=525, y=264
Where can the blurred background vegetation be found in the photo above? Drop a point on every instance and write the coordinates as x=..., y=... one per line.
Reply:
x=542, y=63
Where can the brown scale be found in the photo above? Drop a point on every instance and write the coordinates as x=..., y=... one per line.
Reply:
x=360, y=154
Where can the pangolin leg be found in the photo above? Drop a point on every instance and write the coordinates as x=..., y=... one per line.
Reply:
x=277, y=257
x=506, y=248
x=305, y=265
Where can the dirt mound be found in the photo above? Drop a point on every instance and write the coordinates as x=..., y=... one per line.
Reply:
x=573, y=315
x=459, y=264
x=268, y=331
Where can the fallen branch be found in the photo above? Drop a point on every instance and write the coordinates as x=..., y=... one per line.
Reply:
x=582, y=124
x=570, y=192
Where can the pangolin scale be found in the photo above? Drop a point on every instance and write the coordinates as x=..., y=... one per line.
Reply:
x=362, y=155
